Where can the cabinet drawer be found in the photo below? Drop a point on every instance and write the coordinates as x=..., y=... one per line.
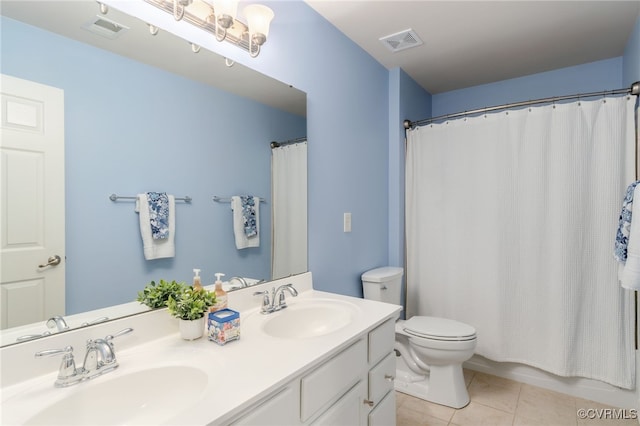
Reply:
x=381, y=378
x=280, y=409
x=381, y=341
x=332, y=379
x=385, y=412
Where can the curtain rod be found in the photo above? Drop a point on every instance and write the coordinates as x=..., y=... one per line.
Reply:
x=275, y=144
x=633, y=90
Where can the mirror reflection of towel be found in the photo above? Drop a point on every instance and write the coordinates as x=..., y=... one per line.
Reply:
x=240, y=226
x=249, y=215
x=158, y=214
x=156, y=248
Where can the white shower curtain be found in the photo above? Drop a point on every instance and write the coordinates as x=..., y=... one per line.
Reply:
x=511, y=221
x=289, y=194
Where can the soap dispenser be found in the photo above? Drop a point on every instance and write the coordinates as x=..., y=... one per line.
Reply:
x=221, y=295
x=197, y=284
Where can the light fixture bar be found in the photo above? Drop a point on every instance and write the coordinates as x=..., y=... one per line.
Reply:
x=210, y=27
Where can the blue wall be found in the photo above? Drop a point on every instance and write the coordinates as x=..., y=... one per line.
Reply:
x=132, y=128
x=347, y=127
x=631, y=58
x=592, y=77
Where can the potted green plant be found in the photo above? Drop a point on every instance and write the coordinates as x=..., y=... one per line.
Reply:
x=190, y=306
x=156, y=295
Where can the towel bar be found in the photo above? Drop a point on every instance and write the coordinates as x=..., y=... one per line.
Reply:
x=228, y=200
x=114, y=197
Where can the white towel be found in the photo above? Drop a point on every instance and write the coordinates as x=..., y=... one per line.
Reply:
x=242, y=241
x=630, y=277
x=156, y=249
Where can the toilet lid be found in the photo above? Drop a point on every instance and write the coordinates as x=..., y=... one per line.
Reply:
x=439, y=328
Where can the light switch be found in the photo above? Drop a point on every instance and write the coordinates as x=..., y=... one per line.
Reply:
x=347, y=222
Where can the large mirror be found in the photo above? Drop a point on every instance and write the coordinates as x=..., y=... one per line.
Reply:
x=145, y=113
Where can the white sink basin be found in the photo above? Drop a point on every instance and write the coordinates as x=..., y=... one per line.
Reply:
x=310, y=319
x=143, y=397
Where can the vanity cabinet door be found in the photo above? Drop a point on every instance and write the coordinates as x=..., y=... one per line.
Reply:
x=385, y=412
x=350, y=410
x=323, y=386
x=278, y=410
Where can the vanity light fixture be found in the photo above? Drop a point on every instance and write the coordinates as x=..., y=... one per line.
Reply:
x=225, y=13
x=218, y=17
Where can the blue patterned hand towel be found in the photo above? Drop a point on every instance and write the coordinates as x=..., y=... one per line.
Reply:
x=624, y=226
x=158, y=214
x=246, y=221
x=249, y=215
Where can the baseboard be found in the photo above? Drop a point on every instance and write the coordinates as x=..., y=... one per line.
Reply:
x=593, y=390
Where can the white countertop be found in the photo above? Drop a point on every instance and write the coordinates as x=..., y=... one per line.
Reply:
x=240, y=373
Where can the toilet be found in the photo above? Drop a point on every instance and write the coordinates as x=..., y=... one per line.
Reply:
x=429, y=350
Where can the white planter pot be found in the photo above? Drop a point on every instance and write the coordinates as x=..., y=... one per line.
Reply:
x=192, y=329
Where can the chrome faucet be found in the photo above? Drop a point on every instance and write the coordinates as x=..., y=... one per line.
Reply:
x=279, y=294
x=57, y=322
x=243, y=282
x=269, y=299
x=99, y=359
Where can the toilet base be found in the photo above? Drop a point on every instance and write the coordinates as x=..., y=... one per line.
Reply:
x=442, y=385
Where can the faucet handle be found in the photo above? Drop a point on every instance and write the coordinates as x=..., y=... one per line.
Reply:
x=95, y=321
x=110, y=337
x=266, y=302
x=67, y=374
x=32, y=336
x=50, y=352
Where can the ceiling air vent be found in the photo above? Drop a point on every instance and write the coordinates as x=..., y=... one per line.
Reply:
x=105, y=27
x=400, y=41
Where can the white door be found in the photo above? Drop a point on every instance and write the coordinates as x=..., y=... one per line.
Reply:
x=31, y=202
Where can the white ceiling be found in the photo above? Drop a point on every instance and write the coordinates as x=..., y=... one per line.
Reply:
x=468, y=43
x=164, y=50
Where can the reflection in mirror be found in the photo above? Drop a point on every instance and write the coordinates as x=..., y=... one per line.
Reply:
x=143, y=113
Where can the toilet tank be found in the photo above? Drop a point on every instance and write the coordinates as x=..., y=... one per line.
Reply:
x=383, y=284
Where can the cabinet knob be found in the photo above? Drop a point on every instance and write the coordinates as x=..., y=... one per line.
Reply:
x=369, y=403
x=389, y=377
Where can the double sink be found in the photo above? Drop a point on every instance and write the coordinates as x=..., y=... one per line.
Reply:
x=157, y=388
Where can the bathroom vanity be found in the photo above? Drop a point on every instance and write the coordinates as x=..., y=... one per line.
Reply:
x=325, y=359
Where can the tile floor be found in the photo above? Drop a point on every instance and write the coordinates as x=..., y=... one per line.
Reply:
x=496, y=401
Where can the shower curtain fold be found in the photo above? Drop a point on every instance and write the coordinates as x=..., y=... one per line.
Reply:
x=510, y=221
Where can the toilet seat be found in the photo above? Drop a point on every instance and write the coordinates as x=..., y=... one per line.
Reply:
x=442, y=329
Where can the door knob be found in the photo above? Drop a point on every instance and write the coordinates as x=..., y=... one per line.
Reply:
x=52, y=261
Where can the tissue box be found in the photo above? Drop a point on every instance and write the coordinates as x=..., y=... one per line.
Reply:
x=223, y=326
